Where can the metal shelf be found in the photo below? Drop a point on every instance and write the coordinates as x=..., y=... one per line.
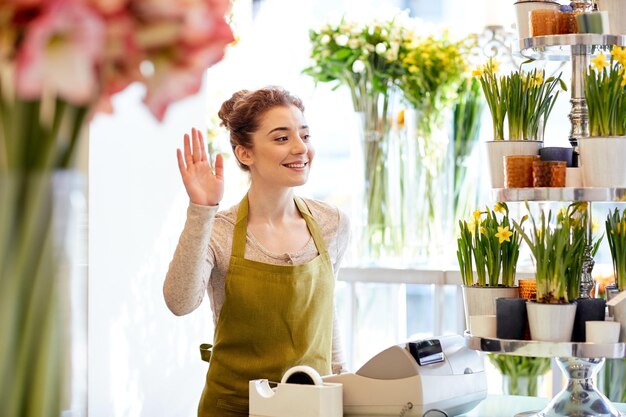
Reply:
x=546, y=349
x=559, y=47
x=560, y=194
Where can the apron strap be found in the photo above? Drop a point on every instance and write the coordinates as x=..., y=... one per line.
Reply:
x=239, y=233
x=314, y=228
x=241, y=226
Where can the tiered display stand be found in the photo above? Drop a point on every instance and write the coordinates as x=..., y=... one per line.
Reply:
x=579, y=362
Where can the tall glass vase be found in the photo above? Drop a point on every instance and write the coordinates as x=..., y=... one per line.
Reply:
x=426, y=187
x=379, y=223
x=43, y=311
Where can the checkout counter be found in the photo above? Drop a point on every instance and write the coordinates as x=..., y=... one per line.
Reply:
x=433, y=378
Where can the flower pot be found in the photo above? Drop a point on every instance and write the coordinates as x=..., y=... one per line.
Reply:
x=480, y=301
x=528, y=289
x=602, y=161
x=511, y=318
x=557, y=153
x=522, y=11
x=483, y=325
x=588, y=309
x=498, y=149
x=617, y=15
x=573, y=177
x=619, y=311
x=593, y=22
x=551, y=322
x=518, y=170
x=602, y=331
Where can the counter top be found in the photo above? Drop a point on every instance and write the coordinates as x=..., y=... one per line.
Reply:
x=509, y=405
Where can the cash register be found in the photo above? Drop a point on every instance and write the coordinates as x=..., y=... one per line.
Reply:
x=414, y=378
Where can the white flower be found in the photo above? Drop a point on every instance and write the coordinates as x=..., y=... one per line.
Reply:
x=325, y=39
x=358, y=66
x=381, y=48
x=341, y=40
x=354, y=43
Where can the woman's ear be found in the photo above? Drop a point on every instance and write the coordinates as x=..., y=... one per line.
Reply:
x=243, y=155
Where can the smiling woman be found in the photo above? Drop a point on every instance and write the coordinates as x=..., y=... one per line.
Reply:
x=268, y=264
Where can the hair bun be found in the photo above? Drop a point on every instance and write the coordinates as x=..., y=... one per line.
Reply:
x=227, y=107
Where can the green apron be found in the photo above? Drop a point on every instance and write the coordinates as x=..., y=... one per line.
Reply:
x=274, y=317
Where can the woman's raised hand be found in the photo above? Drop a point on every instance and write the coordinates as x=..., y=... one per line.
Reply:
x=203, y=186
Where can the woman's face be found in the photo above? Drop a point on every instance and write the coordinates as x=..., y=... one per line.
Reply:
x=281, y=152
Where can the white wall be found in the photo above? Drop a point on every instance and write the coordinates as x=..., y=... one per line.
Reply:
x=143, y=360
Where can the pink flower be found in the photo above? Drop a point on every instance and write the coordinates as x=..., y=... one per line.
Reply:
x=169, y=83
x=181, y=53
x=109, y=7
x=60, y=52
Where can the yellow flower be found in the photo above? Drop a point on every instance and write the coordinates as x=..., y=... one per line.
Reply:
x=599, y=61
x=538, y=80
x=595, y=226
x=401, y=118
x=500, y=207
x=471, y=226
x=619, y=54
x=482, y=231
x=623, y=83
x=494, y=65
x=503, y=234
x=477, y=214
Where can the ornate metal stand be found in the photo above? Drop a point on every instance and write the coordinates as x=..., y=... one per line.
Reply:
x=579, y=362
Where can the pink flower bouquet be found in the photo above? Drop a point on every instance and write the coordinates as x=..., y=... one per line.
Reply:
x=84, y=51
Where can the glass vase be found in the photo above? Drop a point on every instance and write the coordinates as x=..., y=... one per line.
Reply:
x=523, y=385
x=43, y=298
x=427, y=188
x=379, y=221
x=612, y=380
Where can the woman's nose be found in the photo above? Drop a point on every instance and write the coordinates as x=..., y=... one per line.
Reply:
x=299, y=145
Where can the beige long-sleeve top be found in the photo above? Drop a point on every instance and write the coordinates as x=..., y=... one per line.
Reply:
x=201, y=259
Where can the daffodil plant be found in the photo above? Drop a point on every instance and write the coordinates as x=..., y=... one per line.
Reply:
x=616, y=234
x=489, y=241
x=558, y=246
x=524, y=99
x=605, y=93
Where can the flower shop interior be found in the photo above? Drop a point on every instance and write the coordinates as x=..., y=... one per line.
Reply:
x=415, y=202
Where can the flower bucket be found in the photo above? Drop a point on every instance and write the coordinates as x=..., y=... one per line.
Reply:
x=551, y=322
x=602, y=161
x=498, y=149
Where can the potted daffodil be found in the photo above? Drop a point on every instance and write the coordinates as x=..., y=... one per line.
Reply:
x=487, y=251
x=602, y=154
x=557, y=244
x=522, y=99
